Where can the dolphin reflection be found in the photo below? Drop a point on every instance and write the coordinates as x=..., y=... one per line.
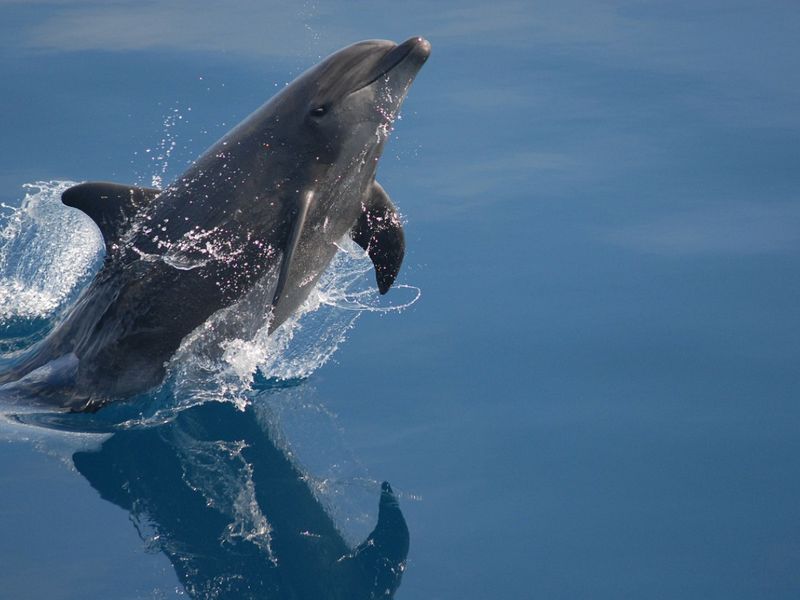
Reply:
x=235, y=517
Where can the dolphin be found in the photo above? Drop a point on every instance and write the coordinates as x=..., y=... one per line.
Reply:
x=261, y=210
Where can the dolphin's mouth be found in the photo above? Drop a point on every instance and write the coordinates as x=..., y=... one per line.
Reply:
x=414, y=50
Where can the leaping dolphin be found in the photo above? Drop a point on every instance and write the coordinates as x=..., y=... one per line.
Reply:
x=264, y=206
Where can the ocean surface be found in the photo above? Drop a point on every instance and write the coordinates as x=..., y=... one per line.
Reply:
x=584, y=385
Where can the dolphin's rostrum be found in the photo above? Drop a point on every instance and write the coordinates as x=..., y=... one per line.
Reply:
x=264, y=206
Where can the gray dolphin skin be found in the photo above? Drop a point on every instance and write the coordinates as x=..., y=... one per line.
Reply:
x=263, y=208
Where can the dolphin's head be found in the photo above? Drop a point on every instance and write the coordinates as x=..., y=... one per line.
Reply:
x=324, y=133
x=362, y=84
x=346, y=104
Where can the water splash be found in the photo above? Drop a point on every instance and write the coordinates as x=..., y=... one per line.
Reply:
x=311, y=336
x=47, y=253
x=160, y=156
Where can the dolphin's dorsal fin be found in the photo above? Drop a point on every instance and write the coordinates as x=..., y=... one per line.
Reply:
x=110, y=205
x=380, y=232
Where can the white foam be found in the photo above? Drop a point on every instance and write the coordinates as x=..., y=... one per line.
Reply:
x=47, y=250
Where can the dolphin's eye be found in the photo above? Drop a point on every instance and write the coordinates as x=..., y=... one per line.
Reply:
x=319, y=111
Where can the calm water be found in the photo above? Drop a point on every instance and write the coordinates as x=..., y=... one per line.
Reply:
x=596, y=394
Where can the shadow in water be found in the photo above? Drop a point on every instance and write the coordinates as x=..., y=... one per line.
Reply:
x=235, y=517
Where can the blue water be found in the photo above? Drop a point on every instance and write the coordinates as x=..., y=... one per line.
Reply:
x=596, y=394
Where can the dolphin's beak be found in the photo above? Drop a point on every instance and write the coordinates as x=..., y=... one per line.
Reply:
x=420, y=47
x=412, y=53
x=407, y=57
x=417, y=49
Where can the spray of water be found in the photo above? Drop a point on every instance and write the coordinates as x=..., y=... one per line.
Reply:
x=46, y=253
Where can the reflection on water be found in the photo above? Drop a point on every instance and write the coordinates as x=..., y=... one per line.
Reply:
x=235, y=516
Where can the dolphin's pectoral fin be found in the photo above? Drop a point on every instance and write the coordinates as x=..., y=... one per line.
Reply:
x=298, y=221
x=110, y=205
x=382, y=556
x=380, y=232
